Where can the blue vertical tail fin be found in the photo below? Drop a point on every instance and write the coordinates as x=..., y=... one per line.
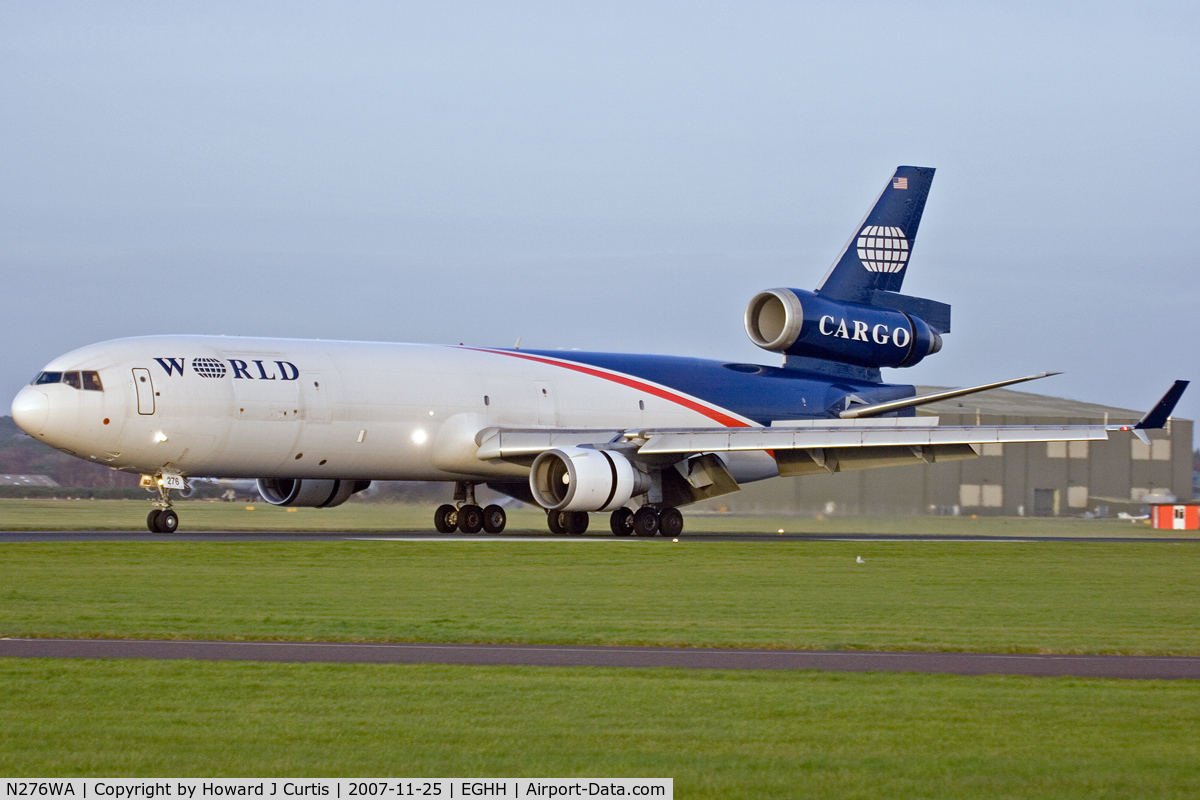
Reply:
x=876, y=257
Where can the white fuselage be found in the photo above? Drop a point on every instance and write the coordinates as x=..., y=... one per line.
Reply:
x=246, y=408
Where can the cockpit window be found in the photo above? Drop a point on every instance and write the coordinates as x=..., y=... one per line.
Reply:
x=89, y=380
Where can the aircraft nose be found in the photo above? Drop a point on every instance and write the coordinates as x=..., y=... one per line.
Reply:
x=30, y=409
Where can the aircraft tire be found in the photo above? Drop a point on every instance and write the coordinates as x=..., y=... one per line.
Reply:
x=554, y=522
x=494, y=519
x=621, y=522
x=577, y=522
x=670, y=522
x=152, y=520
x=168, y=521
x=445, y=519
x=645, y=521
x=470, y=519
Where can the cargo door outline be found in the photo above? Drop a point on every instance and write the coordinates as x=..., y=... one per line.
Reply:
x=145, y=390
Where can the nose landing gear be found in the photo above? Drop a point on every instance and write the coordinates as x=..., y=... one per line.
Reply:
x=162, y=518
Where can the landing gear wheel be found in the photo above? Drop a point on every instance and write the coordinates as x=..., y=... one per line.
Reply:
x=168, y=521
x=670, y=522
x=470, y=519
x=445, y=519
x=645, y=521
x=576, y=522
x=152, y=520
x=621, y=522
x=554, y=522
x=494, y=519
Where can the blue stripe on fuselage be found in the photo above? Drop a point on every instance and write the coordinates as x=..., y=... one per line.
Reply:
x=758, y=392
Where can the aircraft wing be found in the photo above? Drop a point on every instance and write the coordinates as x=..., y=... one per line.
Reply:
x=874, y=439
x=515, y=443
x=831, y=446
x=705, y=440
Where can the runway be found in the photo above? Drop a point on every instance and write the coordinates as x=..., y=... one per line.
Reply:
x=543, y=537
x=1082, y=666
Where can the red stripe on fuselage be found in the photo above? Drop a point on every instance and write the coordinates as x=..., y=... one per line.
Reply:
x=633, y=383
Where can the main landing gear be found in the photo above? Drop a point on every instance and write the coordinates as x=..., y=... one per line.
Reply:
x=653, y=517
x=572, y=522
x=646, y=521
x=466, y=516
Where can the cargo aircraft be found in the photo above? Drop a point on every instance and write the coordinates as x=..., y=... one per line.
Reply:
x=637, y=436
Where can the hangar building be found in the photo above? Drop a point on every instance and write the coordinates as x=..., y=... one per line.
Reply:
x=1037, y=479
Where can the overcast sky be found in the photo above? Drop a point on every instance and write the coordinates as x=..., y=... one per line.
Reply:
x=605, y=176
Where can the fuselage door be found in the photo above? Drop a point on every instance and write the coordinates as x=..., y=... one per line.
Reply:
x=316, y=397
x=145, y=390
x=547, y=403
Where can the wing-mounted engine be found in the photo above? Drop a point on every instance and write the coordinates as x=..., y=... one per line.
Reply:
x=806, y=325
x=571, y=469
x=583, y=479
x=308, y=493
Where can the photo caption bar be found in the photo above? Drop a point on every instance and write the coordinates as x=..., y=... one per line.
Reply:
x=336, y=788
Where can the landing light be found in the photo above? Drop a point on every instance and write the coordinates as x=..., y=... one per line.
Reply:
x=159, y=436
x=419, y=436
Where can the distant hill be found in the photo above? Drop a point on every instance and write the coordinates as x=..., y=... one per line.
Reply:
x=22, y=455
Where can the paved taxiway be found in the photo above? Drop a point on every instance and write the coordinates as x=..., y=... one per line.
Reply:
x=1086, y=666
x=537, y=536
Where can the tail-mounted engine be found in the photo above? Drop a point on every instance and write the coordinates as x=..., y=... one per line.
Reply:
x=581, y=479
x=799, y=323
x=306, y=493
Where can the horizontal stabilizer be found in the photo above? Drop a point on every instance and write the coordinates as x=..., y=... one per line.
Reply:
x=936, y=314
x=876, y=409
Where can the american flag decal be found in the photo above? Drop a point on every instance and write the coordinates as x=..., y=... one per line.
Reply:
x=899, y=183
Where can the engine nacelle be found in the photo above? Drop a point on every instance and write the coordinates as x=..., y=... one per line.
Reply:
x=580, y=479
x=800, y=323
x=308, y=493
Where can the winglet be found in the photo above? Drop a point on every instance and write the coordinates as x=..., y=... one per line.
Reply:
x=1157, y=416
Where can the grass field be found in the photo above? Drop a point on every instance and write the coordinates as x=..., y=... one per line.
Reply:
x=130, y=515
x=1042, y=597
x=718, y=734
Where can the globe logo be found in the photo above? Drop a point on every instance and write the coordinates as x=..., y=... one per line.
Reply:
x=882, y=248
x=208, y=367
